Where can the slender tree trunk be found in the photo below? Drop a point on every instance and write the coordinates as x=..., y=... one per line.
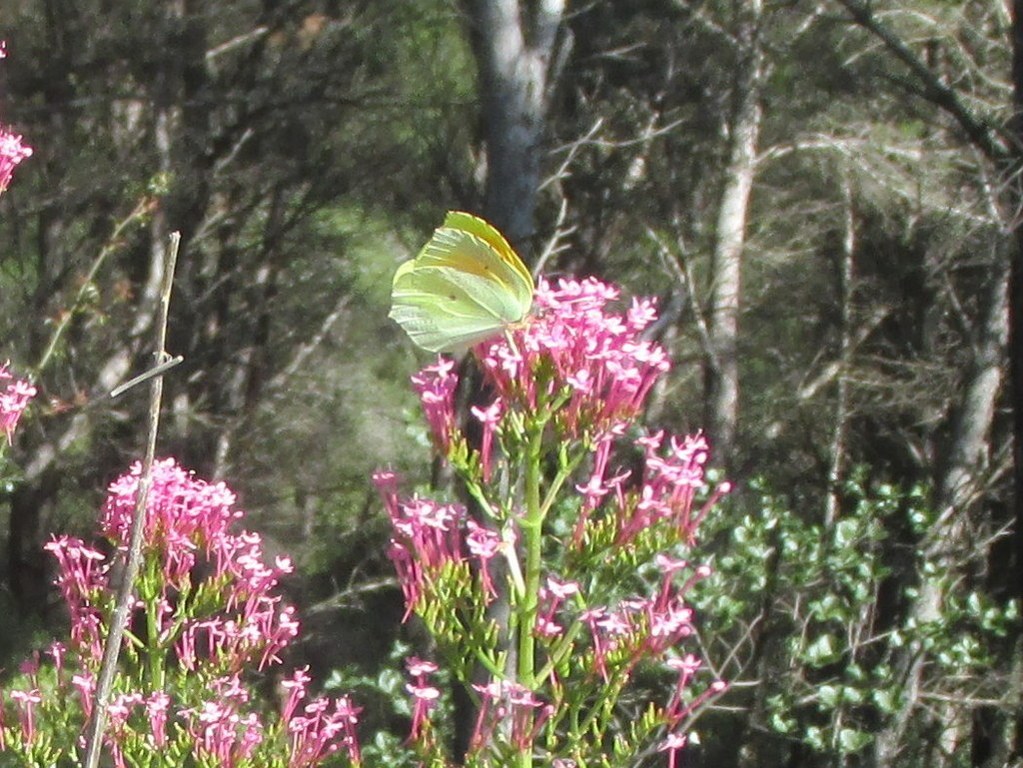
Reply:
x=514, y=43
x=722, y=372
x=947, y=545
x=845, y=281
x=1004, y=306
x=1016, y=345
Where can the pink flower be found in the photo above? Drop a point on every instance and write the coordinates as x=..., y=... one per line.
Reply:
x=425, y=699
x=119, y=710
x=436, y=386
x=592, y=617
x=547, y=628
x=552, y=595
x=296, y=689
x=16, y=393
x=12, y=152
x=562, y=589
x=81, y=580
x=57, y=650
x=85, y=683
x=490, y=418
x=506, y=702
x=30, y=667
x=27, y=701
x=321, y=731
x=672, y=745
x=484, y=544
x=425, y=696
x=156, y=710
x=573, y=354
x=419, y=668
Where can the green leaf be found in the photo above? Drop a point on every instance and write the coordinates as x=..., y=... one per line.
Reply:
x=886, y=699
x=829, y=695
x=821, y=651
x=851, y=740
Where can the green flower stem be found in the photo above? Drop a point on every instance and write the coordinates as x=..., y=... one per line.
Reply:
x=603, y=710
x=156, y=655
x=495, y=668
x=148, y=590
x=475, y=490
x=532, y=533
x=560, y=652
x=568, y=466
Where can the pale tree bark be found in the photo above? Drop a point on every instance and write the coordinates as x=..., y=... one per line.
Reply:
x=29, y=499
x=999, y=326
x=514, y=42
x=722, y=370
x=847, y=256
x=1014, y=734
x=958, y=487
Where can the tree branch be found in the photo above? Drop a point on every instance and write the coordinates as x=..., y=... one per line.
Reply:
x=119, y=620
x=980, y=133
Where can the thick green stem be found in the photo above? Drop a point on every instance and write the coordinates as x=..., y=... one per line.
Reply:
x=154, y=653
x=532, y=533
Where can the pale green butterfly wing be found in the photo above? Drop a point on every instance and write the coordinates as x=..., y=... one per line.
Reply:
x=443, y=310
x=464, y=286
x=472, y=253
x=515, y=270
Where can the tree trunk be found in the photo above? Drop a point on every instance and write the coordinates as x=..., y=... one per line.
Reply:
x=1015, y=189
x=845, y=291
x=1002, y=315
x=722, y=372
x=514, y=44
x=947, y=545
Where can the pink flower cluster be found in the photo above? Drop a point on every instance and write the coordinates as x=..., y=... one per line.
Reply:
x=14, y=398
x=12, y=151
x=436, y=386
x=589, y=366
x=592, y=365
x=187, y=524
x=427, y=537
x=642, y=627
x=503, y=705
x=430, y=537
x=667, y=491
x=208, y=603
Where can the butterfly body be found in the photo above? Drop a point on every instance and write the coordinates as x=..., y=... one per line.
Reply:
x=466, y=285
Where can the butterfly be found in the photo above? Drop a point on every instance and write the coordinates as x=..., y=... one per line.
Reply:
x=466, y=285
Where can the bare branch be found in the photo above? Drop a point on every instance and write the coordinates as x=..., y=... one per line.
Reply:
x=931, y=86
x=119, y=619
x=679, y=267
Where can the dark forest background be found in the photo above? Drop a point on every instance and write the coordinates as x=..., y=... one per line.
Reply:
x=823, y=195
